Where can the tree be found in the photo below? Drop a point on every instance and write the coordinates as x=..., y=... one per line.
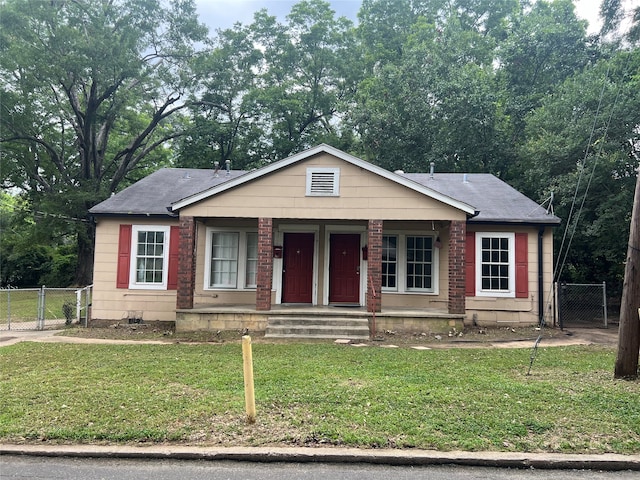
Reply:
x=437, y=101
x=612, y=13
x=308, y=75
x=544, y=45
x=88, y=90
x=583, y=144
x=225, y=123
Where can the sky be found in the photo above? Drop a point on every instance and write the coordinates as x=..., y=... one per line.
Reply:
x=224, y=13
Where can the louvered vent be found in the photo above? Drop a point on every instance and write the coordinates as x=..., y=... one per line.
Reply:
x=323, y=182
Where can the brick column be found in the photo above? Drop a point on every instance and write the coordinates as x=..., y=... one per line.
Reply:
x=457, y=236
x=374, y=266
x=265, y=264
x=186, y=263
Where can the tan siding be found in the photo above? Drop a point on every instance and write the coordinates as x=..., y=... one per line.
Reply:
x=111, y=303
x=363, y=195
x=514, y=311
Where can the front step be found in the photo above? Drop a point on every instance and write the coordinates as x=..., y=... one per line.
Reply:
x=317, y=327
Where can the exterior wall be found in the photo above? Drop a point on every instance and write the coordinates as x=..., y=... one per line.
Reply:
x=491, y=311
x=111, y=303
x=363, y=195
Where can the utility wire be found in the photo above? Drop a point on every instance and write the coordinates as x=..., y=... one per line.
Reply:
x=557, y=272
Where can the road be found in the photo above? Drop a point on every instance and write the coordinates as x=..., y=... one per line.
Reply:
x=51, y=468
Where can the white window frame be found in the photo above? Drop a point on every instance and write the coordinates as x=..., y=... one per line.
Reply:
x=241, y=273
x=333, y=191
x=401, y=264
x=133, y=283
x=511, y=292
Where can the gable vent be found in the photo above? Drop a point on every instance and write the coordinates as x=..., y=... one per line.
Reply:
x=323, y=182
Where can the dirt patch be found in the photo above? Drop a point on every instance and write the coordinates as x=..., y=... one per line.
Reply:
x=466, y=337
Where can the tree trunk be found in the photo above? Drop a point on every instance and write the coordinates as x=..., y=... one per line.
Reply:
x=86, y=239
x=629, y=332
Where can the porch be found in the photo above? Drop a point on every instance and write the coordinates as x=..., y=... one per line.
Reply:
x=302, y=321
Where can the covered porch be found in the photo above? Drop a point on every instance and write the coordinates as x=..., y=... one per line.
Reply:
x=306, y=269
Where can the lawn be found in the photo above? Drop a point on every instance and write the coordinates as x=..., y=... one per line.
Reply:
x=320, y=394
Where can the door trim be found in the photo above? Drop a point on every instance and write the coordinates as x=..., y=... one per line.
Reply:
x=278, y=239
x=356, y=230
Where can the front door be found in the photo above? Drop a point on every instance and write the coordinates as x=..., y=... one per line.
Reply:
x=344, y=268
x=297, y=268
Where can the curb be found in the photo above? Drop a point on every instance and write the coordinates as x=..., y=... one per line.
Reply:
x=606, y=462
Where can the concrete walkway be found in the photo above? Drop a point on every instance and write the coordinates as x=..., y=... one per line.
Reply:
x=578, y=336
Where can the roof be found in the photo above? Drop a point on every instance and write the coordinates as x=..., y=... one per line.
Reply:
x=154, y=194
x=495, y=200
x=483, y=196
x=324, y=148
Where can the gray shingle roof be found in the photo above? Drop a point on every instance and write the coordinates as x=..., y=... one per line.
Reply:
x=156, y=192
x=496, y=201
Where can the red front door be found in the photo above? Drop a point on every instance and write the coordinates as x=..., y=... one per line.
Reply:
x=344, y=268
x=297, y=268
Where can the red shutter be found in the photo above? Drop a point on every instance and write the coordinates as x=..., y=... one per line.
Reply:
x=174, y=249
x=124, y=257
x=522, y=265
x=470, y=264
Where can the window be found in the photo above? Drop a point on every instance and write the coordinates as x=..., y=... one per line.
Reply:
x=232, y=257
x=149, y=257
x=409, y=263
x=389, y=262
x=495, y=269
x=323, y=182
x=252, y=260
x=224, y=259
x=419, y=263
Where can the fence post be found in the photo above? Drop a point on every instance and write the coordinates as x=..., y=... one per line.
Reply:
x=8, y=308
x=78, y=307
x=560, y=312
x=41, y=308
x=556, y=319
x=604, y=303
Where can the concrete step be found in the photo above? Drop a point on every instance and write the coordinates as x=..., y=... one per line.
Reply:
x=319, y=327
x=318, y=320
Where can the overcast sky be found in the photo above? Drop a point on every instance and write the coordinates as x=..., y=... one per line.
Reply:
x=224, y=13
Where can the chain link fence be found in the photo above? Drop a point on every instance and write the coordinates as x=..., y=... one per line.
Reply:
x=40, y=308
x=581, y=305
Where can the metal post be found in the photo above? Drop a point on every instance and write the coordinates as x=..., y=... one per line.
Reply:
x=604, y=303
x=556, y=318
x=8, y=309
x=41, y=307
x=78, y=304
x=86, y=306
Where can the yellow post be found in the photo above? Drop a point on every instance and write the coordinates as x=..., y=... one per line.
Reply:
x=249, y=395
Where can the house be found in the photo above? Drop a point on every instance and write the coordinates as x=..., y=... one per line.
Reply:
x=321, y=235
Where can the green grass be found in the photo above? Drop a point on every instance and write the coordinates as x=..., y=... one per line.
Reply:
x=320, y=394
